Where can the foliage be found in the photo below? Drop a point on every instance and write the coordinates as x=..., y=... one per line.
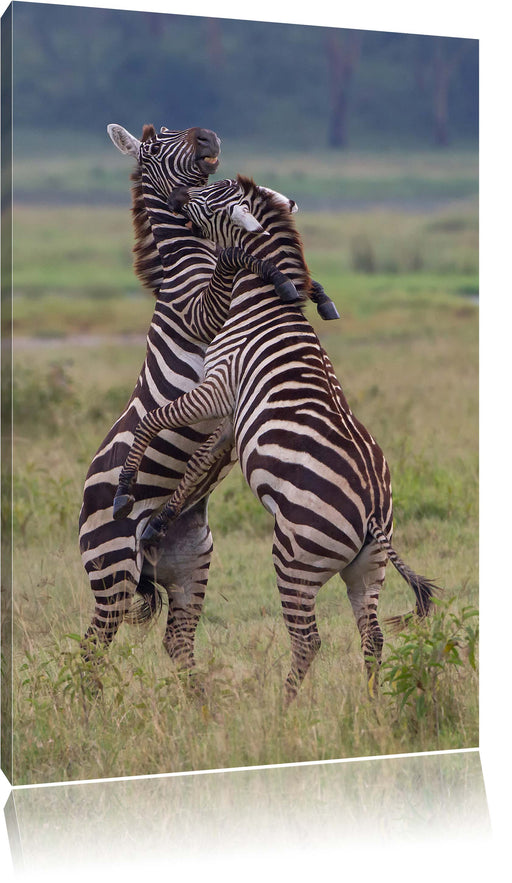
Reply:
x=41, y=399
x=69, y=263
x=422, y=674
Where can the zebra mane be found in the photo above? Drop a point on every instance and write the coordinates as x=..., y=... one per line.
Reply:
x=282, y=217
x=146, y=261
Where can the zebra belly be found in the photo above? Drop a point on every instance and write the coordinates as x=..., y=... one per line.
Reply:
x=183, y=549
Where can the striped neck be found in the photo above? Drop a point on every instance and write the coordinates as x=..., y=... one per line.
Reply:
x=160, y=237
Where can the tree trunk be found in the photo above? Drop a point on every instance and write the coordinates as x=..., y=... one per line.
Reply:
x=441, y=83
x=214, y=42
x=343, y=49
x=444, y=68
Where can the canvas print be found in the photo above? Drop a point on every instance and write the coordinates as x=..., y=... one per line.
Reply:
x=257, y=818
x=239, y=394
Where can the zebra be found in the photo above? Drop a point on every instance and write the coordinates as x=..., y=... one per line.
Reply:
x=306, y=457
x=182, y=271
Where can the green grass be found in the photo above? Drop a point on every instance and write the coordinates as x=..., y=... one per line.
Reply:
x=73, y=273
x=408, y=363
x=93, y=170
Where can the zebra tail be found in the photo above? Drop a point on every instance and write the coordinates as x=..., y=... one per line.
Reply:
x=147, y=604
x=424, y=589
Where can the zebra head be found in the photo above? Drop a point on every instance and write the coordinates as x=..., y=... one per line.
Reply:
x=223, y=210
x=170, y=158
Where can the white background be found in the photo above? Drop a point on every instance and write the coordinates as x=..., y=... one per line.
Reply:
x=487, y=23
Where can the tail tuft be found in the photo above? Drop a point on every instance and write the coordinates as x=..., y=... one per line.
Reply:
x=148, y=604
x=424, y=589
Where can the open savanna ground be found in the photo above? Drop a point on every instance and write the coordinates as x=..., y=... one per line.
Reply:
x=405, y=351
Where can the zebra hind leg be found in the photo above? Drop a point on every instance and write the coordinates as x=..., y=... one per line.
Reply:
x=364, y=578
x=298, y=606
x=111, y=606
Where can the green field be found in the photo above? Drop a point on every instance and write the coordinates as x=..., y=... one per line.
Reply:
x=405, y=279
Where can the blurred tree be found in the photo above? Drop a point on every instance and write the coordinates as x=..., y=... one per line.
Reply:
x=447, y=57
x=215, y=44
x=78, y=68
x=343, y=51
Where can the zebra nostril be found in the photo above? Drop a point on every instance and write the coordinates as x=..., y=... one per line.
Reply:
x=208, y=142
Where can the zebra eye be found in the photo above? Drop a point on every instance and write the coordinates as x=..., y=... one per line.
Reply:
x=151, y=148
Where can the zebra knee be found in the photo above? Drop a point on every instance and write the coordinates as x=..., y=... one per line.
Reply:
x=371, y=633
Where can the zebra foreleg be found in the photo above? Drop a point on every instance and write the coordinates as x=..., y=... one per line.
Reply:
x=201, y=472
x=234, y=258
x=211, y=399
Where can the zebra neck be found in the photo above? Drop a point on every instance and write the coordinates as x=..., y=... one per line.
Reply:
x=253, y=308
x=146, y=261
x=174, y=241
x=161, y=239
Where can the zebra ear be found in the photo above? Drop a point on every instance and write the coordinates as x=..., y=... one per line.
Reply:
x=288, y=203
x=242, y=217
x=178, y=198
x=122, y=139
x=164, y=129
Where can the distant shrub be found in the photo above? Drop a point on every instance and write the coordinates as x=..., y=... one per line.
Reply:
x=362, y=255
x=40, y=400
x=108, y=406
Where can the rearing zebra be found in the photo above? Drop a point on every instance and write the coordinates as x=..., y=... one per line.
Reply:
x=304, y=454
x=193, y=295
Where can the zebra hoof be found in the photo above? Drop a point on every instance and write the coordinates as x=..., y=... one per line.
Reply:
x=287, y=292
x=327, y=310
x=151, y=537
x=123, y=505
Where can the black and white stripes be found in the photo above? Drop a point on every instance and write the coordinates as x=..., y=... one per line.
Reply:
x=173, y=365
x=304, y=454
x=193, y=293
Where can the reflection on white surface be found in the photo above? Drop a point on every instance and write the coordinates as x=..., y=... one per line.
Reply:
x=250, y=820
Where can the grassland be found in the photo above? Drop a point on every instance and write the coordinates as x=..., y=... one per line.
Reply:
x=405, y=350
